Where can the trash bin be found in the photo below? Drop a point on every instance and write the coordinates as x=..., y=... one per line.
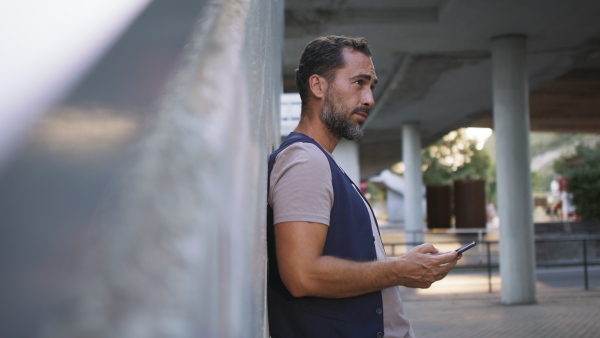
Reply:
x=469, y=203
x=439, y=206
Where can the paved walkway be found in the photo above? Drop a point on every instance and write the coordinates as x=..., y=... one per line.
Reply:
x=472, y=312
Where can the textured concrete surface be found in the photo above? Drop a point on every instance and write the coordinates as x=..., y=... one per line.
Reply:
x=135, y=206
x=559, y=312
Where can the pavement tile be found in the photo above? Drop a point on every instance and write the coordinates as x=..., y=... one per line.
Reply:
x=558, y=313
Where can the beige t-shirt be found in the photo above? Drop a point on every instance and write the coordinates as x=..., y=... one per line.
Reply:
x=301, y=191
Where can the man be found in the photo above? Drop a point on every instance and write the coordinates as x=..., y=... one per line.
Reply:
x=328, y=274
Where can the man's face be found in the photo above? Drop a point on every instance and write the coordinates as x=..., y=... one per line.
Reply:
x=350, y=96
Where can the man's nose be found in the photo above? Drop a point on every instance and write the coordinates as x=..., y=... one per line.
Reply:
x=368, y=99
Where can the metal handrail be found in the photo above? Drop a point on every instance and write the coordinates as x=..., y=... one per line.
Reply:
x=585, y=262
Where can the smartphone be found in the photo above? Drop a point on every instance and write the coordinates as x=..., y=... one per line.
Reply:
x=466, y=247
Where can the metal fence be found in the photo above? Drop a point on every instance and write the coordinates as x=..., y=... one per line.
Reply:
x=550, y=252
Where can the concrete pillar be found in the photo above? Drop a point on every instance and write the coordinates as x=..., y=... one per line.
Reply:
x=413, y=198
x=346, y=156
x=148, y=219
x=515, y=206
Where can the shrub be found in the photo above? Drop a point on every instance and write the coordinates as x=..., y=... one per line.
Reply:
x=582, y=171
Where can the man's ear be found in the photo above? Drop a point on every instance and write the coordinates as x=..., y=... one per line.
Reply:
x=317, y=85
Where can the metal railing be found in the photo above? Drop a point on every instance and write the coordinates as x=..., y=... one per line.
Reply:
x=542, y=260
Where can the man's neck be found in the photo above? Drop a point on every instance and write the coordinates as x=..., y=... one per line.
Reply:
x=318, y=132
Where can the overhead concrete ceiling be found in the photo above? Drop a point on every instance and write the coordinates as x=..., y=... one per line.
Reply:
x=432, y=59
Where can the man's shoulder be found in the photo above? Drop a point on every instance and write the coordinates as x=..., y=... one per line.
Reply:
x=304, y=152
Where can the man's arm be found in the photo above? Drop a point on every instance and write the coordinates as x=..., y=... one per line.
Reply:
x=305, y=271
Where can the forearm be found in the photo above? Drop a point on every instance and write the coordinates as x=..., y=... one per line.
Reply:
x=332, y=277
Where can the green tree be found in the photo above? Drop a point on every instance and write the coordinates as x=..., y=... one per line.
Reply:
x=582, y=172
x=455, y=157
x=540, y=180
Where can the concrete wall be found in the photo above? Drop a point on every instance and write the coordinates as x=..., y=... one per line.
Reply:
x=134, y=206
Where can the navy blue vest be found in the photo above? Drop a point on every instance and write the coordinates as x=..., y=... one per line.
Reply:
x=350, y=236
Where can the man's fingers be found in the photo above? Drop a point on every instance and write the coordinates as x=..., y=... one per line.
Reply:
x=428, y=265
x=425, y=248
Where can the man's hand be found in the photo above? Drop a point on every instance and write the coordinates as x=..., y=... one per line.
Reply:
x=423, y=265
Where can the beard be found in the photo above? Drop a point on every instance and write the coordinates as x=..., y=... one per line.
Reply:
x=338, y=120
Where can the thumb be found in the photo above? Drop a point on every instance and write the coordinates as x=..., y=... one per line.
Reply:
x=447, y=257
x=426, y=248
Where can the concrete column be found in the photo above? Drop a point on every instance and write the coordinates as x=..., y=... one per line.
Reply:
x=346, y=156
x=413, y=197
x=515, y=205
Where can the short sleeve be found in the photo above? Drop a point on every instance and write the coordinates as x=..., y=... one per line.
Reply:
x=301, y=189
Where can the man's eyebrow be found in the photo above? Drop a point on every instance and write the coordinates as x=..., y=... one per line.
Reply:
x=367, y=77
